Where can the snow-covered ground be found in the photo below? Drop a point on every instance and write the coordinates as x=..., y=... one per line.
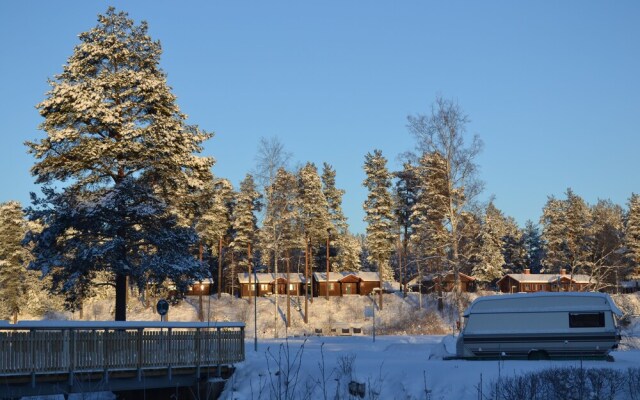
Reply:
x=392, y=367
x=405, y=361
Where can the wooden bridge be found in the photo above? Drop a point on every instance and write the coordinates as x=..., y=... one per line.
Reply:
x=60, y=357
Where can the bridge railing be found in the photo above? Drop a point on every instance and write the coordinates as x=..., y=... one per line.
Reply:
x=47, y=347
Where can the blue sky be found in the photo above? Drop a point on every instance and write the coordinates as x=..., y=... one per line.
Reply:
x=552, y=88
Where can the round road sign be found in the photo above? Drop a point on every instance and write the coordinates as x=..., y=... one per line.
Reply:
x=162, y=307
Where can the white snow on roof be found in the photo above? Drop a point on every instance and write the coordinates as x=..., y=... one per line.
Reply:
x=337, y=276
x=550, y=278
x=269, y=277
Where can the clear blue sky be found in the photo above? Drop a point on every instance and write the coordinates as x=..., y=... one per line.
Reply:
x=552, y=88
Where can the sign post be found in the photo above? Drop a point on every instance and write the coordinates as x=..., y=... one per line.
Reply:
x=370, y=312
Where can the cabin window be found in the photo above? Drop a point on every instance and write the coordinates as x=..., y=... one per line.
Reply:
x=331, y=286
x=526, y=287
x=586, y=320
x=253, y=287
x=292, y=286
x=264, y=287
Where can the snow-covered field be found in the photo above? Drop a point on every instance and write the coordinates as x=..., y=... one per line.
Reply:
x=398, y=365
x=392, y=367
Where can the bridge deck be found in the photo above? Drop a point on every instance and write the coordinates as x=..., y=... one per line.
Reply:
x=45, y=357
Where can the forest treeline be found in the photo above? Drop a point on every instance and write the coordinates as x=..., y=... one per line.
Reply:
x=129, y=203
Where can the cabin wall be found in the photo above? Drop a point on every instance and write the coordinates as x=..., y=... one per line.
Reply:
x=334, y=289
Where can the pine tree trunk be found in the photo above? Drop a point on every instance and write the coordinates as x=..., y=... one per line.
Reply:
x=220, y=269
x=200, y=310
x=121, y=297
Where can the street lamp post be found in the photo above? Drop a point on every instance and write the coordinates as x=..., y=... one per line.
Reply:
x=328, y=266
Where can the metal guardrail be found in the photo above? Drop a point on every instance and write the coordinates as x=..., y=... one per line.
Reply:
x=40, y=348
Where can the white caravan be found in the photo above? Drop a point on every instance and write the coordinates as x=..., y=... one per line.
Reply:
x=540, y=325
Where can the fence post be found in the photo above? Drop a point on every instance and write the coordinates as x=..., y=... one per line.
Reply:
x=70, y=338
x=170, y=338
x=219, y=352
x=105, y=354
x=32, y=344
x=140, y=348
x=197, y=349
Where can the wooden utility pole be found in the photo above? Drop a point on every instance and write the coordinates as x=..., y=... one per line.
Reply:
x=327, y=287
x=306, y=283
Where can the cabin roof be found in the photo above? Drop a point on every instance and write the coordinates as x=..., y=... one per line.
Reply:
x=430, y=277
x=269, y=277
x=549, y=278
x=338, y=276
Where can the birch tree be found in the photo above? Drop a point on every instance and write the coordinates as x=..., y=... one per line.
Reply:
x=111, y=118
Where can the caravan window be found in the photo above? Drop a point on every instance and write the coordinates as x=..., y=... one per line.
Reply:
x=586, y=320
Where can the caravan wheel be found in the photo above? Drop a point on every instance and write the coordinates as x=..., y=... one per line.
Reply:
x=538, y=355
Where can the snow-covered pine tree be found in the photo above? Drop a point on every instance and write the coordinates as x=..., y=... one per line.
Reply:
x=568, y=234
x=406, y=193
x=13, y=260
x=430, y=238
x=579, y=235
x=513, y=248
x=608, y=243
x=632, y=236
x=280, y=229
x=379, y=217
x=533, y=246
x=214, y=225
x=123, y=230
x=554, y=226
x=493, y=230
x=443, y=131
x=339, y=229
x=334, y=198
x=350, y=252
x=314, y=217
x=245, y=224
x=470, y=246
x=111, y=118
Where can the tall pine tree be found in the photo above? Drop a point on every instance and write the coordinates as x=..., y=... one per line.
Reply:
x=13, y=260
x=379, y=215
x=112, y=124
x=245, y=224
x=632, y=236
x=493, y=231
x=428, y=218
